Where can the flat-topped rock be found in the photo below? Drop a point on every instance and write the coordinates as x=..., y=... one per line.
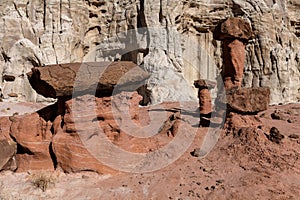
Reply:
x=204, y=84
x=248, y=100
x=98, y=78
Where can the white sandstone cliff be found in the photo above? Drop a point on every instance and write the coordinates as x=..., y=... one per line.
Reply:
x=171, y=39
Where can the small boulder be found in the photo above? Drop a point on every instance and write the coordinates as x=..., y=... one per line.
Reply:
x=248, y=100
x=275, y=135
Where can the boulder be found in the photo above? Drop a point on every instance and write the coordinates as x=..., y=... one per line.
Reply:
x=248, y=100
x=98, y=78
x=7, y=155
x=275, y=135
x=33, y=136
x=233, y=28
x=8, y=147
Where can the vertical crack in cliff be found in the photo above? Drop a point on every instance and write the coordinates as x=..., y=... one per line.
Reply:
x=141, y=19
x=16, y=8
x=26, y=10
x=52, y=40
x=45, y=14
x=52, y=155
x=160, y=11
x=69, y=9
x=60, y=14
x=142, y=14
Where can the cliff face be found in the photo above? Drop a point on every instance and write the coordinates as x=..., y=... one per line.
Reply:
x=171, y=39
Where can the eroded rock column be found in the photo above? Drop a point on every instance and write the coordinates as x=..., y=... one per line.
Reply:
x=234, y=33
x=205, y=105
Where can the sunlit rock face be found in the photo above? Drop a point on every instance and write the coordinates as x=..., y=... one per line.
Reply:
x=173, y=40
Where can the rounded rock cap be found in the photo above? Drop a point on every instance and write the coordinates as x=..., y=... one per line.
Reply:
x=233, y=28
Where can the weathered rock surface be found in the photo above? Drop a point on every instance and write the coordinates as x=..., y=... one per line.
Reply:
x=8, y=147
x=244, y=164
x=98, y=78
x=248, y=100
x=176, y=40
x=33, y=136
x=7, y=155
x=119, y=119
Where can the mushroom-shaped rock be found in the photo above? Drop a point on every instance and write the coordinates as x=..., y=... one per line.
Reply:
x=99, y=78
x=234, y=33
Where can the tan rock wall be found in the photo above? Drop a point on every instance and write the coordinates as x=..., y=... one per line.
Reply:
x=174, y=41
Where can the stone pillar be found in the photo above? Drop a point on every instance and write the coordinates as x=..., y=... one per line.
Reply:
x=234, y=33
x=205, y=105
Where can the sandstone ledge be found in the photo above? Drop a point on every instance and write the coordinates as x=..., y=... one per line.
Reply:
x=98, y=78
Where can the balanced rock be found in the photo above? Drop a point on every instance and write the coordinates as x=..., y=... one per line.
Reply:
x=234, y=33
x=98, y=78
x=248, y=100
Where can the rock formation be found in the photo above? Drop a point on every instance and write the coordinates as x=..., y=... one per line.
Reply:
x=100, y=78
x=8, y=146
x=248, y=100
x=171, y=39
x=33, y=136
x=205, y=100
x=234, y=33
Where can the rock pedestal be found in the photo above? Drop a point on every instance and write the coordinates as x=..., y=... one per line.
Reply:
x=205, y=105
x=234, y=33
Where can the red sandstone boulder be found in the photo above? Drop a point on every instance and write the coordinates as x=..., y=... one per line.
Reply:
x=248, y=100
x=33, y=136
x=233, y=28
x=98, y=78
x=5, y=124
x=8, y=147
